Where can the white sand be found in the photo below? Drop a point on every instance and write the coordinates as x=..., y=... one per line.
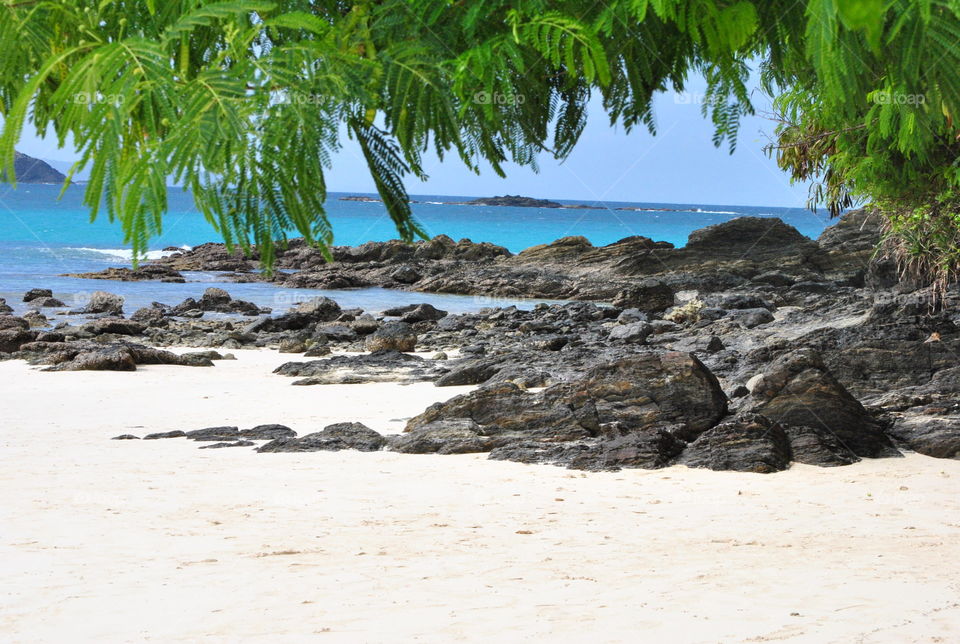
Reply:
x=128, y=541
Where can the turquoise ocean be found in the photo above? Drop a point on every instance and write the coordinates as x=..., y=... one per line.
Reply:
x=42, y=237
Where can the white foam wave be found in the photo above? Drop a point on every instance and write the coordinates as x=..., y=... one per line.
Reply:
x=127, y=253
x=716, y=212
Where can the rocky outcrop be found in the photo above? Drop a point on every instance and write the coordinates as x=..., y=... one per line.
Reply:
x=798, y=389
x=633, y=395
x=378, y=366
x=29, y=170
x=392, y=336
x=143, y=273
x=102, y=302
x=331, y=438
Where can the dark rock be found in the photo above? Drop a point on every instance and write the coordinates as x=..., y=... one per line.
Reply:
x=472, y=373
x=335, y=437
x=816, y=446
x=750, y=318
x=931, y=435
x=125, y=437
x=392, y=336
x=268, y=432
x=798, y=389
x=423, y=313
x=213, y=434
x=37, y=293
x=117, y=326
x=649, y=296
x=379, y=366
x=195, y=359
x=635, y=332
x=747, y=443
x=150, y=314
x=635, y=393
x=46, y=303
x=143, y=273
x=13, y=323
x=103, y=302
x=227, y=444
x=406, y=275
x=173, y=434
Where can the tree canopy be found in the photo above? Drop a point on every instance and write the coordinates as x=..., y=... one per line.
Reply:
x=244, y=102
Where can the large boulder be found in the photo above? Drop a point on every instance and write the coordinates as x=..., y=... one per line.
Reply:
x=748, y=237
x=932, y=431
x=392, y=336
x=798, y=389
x=613, y=400
x=649, y=295
x=103, y=302
x=747, y=443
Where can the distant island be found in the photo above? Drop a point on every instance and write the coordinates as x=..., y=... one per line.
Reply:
x=518, y=201
x=29, y=170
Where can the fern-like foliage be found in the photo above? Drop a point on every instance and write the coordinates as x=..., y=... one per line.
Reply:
x=244, y=101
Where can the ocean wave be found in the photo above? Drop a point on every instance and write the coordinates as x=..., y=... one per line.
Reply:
x=716, y=212
x=127, y=253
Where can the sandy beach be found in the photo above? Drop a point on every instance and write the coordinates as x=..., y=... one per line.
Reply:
x=156, y=540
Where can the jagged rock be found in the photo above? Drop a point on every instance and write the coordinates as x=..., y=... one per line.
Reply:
x=173, y=434
x=930, y=434
x=240, y=443
x=213, y=434
x=125, y=437
x=636, y=332
x=364, y=325
x=303, y=315
x=4, y=307
x=423, y=313
x=392, y=336
x=472, y=373
x=36, y=294
x=140, y=274
x=333, y=438
x=817, y=446
x=102, y=302
x=46, y=303
x=151, y=315
x=36, y=319
x=750, y=318
x=117, y=326
x=12, y=322
x=747, y=443
x=648, y=449
x=649, y=296
x=406, y=275
x=635, y=394
x=195, y=359
x=268, y=432
x=12, y=338
x=379, y=366
x=798, y=389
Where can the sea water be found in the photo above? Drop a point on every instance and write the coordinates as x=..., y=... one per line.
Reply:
x=43, y=236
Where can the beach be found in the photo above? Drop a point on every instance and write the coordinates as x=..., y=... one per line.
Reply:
x=159, y=541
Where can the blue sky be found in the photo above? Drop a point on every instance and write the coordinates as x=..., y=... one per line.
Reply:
x=678, y=165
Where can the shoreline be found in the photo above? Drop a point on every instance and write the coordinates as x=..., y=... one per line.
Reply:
x=158, y=540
